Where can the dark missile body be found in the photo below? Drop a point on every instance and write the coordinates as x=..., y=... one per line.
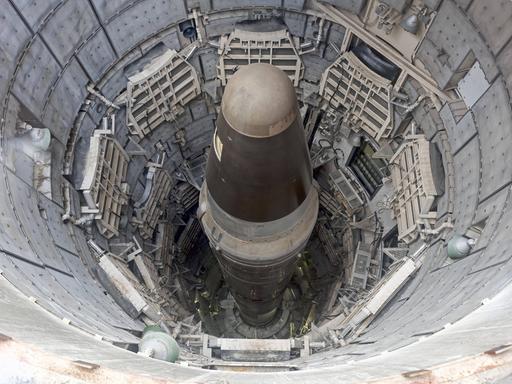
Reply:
x=258, y=204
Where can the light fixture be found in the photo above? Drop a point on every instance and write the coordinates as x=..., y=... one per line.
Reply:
x=188, y=29
x=411, y=24
x=41, y=138
x=459, y=247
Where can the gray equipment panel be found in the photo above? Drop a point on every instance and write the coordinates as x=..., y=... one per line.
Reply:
x=460, y=132
x=493, y=116
x=143, y=19
x=226, y=4
x=96, y=55
x=38, y=72
x=13, y=31
x=493, y=21
x=110, y=8
x=33, y=11
x=65, y=100
x=467, y=181
x=443, y=51
x=78, y=21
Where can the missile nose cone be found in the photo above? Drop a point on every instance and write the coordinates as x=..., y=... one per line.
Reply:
x=259, y=101
x=259, y=170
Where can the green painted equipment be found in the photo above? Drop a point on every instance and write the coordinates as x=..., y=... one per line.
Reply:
x=159, y=345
